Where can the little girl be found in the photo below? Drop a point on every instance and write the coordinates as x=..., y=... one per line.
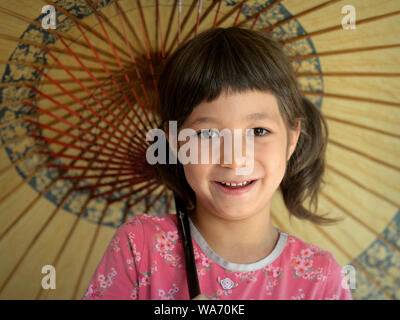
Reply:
x=236, y=79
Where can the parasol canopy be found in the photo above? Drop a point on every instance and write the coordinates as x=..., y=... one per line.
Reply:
x=77, y=100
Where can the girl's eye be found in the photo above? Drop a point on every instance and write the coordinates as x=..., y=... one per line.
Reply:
x=259, y=132
x=206, y=133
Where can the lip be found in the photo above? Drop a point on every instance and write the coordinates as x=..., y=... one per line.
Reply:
x=237, y=191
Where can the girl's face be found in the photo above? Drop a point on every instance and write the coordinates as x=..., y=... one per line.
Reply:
x=271, y=152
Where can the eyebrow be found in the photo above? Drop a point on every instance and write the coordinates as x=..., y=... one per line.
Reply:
x=250, y=117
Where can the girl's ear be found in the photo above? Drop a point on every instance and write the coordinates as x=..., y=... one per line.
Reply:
x=292, y=139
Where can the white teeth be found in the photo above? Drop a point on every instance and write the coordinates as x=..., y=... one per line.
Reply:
x=236, y=184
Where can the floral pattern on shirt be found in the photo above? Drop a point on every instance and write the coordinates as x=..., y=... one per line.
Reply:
x=302, y=265
x=299, y=296
x=145, y=277
x=170, y=294
x=333, y=297
x=274, y=274
x=145, y=260
x=246, y=276
x=134, y=293
x=220, y=292
x=114, y=244
x=146, y=216
x=165, y=244
x=203, y=263
x=103, y=283
x=136, y=255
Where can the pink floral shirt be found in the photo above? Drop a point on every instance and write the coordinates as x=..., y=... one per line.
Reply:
x=145, y=260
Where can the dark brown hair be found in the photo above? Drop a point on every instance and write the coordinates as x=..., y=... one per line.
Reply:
x=238, y=60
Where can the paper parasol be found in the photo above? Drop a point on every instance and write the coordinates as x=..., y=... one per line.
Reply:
x=76, y=103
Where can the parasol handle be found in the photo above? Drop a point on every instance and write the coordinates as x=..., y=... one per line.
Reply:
x=184, y=230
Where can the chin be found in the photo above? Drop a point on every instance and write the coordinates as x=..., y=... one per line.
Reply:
x=235, y=216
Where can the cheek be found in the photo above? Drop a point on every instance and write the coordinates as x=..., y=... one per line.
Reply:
x=272, y=157
x=196, y=176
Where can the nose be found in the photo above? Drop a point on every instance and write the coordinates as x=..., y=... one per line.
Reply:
x=235, y=164
x=230, y=158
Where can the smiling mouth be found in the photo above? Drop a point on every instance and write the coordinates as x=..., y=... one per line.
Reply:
x=233, y=185
x=235, y=188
